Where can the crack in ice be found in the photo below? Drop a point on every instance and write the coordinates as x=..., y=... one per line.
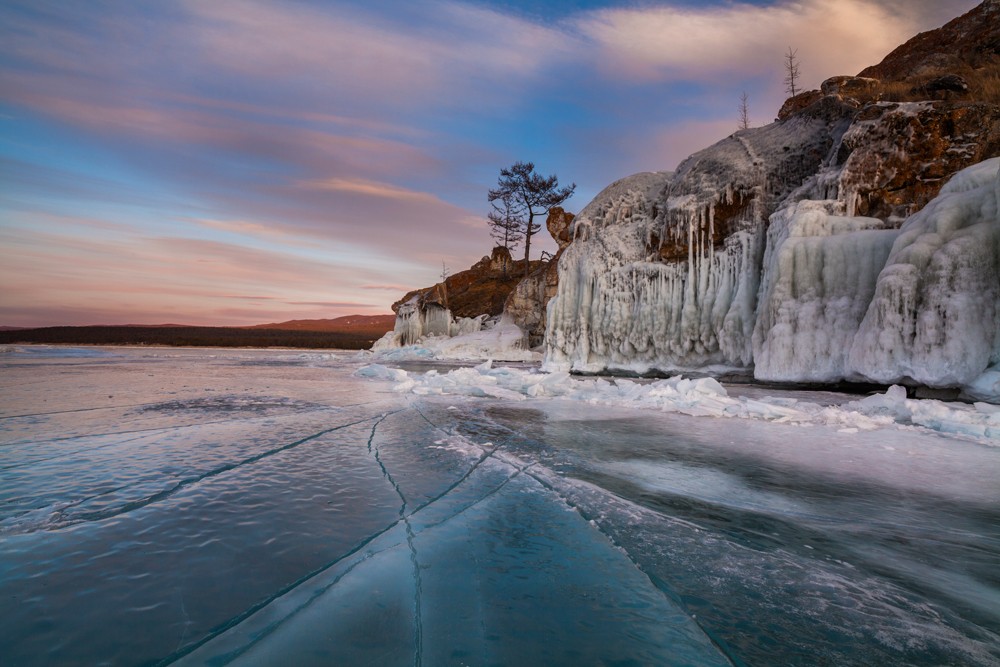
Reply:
x=188, y=481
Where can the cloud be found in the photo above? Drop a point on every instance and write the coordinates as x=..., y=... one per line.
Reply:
x=464, y=56
x=371, y=189
x=150, y=279
x=741, y=39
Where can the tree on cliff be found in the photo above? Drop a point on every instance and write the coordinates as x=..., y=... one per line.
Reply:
x=744, y=110
x=792, y=72
x=532, y=194
x=506, y=222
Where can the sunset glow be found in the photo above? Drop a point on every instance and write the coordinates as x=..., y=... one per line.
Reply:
x=239, y=162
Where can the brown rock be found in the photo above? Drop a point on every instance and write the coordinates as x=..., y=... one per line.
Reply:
x=794, y=105
x=558, y=223
x=896, y=157
x=849, y=86
x=969, y=41
x=526, y=304
x=480, y=290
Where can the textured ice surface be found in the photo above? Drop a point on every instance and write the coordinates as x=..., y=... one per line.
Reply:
x=265, y=507
x=935, y=315
x=818, y=279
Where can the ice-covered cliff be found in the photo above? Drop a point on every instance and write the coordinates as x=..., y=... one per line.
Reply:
x=935, y=315
x=664, y=269
x=819, y=248
x=821, y=296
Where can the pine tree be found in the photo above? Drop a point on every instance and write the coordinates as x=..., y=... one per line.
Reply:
x=532, y=194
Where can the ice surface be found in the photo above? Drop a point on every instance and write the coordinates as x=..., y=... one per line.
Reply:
x=248, y=507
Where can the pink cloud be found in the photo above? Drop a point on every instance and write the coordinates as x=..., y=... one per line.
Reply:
x=740, y=39
x=145, y=279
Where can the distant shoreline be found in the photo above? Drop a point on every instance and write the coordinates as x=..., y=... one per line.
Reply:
x=225, y=337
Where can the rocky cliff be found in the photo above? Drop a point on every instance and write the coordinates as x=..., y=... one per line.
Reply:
x=461, y=303
x=769, y=250
x=527, y=303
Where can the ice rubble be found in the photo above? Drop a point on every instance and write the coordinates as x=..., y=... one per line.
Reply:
x=703, y=397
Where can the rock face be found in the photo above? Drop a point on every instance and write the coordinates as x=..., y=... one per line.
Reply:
x=527, y=304
x=969, y=41
x=480, y=290
x=764, y=252
x=895, y=157
x=490, y=288
x=461, y=303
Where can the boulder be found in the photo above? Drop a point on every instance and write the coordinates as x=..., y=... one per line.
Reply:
x=558, y=223
x=946, y=86
x=796, y=104
x=849, y=86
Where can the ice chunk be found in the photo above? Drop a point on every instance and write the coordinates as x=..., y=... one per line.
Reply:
x=706, y=397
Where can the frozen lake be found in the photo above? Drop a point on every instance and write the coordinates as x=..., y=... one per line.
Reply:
x=162, y=506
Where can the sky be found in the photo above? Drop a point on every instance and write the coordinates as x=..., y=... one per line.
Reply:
x=236, y=162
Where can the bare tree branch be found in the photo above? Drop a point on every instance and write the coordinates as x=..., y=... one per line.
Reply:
x=744, y=110
x=792, y=72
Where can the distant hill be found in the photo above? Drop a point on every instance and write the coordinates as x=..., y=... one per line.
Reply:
x=353, y=332
x=356, y=324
